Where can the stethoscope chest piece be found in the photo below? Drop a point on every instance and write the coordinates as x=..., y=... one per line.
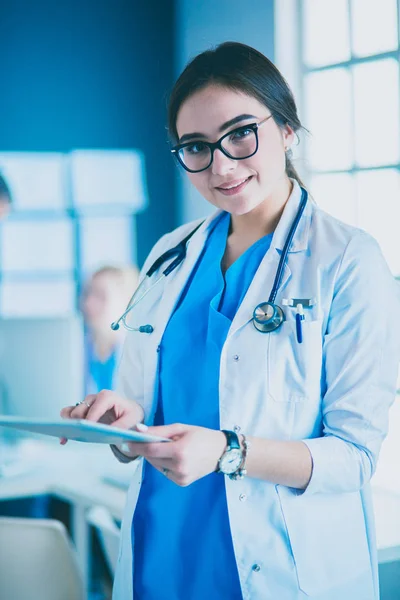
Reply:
x=267, y=317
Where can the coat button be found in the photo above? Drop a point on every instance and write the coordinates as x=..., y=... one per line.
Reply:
x=242, y=497
x=236, y=357
x=256, y=568
x=158, y=348
x=236, y=429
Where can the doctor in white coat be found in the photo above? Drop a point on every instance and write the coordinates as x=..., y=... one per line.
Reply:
x=273, y=501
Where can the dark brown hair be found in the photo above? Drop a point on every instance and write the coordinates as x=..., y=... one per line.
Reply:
x=240, y=68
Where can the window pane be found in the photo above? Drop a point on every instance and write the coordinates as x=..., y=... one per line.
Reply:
x=36, y=179
x=326, y=32
x=379, y=211
x=328, y=117
x=337, y=195
x=37, y=245
x=374, y=26
x=376, y=98
x=101, y=178
x=106, y=241
x=37, y=298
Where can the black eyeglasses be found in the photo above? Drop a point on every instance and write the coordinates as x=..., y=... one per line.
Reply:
x=238, y=144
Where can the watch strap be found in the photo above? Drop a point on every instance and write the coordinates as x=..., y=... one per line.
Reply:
x=232, y=440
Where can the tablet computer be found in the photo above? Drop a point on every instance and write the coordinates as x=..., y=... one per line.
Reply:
x=79, y=430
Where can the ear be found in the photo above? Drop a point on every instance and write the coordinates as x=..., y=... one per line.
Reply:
x=288, y=136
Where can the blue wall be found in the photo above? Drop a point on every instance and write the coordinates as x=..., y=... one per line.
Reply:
x=96, y=74
x=92, y=74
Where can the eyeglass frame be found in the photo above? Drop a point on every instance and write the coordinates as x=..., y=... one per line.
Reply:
x=218, y=146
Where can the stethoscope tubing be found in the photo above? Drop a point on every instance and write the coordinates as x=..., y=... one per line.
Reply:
x=285, y=251
x=179, y=252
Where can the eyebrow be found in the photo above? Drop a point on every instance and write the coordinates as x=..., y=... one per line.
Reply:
x=196, y=135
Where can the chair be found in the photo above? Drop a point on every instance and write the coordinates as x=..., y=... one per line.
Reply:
x=38, y=561
x=109, y=534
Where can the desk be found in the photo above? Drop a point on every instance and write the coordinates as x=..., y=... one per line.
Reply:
x=73, y=474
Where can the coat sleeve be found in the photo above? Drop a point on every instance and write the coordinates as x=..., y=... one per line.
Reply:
x=361, y=357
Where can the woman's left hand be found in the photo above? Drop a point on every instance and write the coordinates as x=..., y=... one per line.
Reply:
x=193, y=452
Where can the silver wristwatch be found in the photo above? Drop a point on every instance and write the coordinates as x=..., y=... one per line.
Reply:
x=230, y=462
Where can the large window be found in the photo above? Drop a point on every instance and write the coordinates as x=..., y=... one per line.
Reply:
x=342, y=58
x=72, y=213
x=349, y=69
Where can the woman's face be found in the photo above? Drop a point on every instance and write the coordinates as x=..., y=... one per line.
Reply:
x=101, y=301
x=252, y=180
x=5, y=207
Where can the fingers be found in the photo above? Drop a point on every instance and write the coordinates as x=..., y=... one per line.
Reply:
x=124, y=422
x=65, y=413
x=169, y=470
x=159, y=450
x=168, y=431
x=156, y=450
x=79, y=411
x=76, y=412
x=102, y=402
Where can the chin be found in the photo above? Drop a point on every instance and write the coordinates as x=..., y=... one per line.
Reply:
x=239, y=208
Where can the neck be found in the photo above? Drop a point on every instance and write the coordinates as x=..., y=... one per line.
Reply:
x=263, y=219
x=104, y=342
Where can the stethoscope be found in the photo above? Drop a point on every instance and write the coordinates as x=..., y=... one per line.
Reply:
x=267, y=316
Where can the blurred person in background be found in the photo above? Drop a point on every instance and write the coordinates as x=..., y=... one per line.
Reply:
x=5, y=198
x=106, y=294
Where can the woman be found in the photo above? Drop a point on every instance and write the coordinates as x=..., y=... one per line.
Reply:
x=105, y=294
x=304, y=405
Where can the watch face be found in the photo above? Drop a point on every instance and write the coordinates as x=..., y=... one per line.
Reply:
x=230, y=461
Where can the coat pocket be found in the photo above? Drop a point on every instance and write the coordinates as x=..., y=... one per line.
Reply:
x=294, y=369
x=327, y=536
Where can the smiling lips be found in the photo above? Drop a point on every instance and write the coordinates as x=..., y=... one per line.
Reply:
x=233, y=187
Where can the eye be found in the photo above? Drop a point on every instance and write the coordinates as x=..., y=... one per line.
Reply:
x=196, y=148
x=240, y=134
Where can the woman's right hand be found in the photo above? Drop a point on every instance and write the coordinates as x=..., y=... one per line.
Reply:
x=106, y=407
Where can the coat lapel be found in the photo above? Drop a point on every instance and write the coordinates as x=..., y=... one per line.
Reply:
x=261, y=286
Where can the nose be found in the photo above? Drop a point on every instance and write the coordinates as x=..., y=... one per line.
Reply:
x=221, y=164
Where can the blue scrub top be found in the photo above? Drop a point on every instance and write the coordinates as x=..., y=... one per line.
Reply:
x=99, y=374
x=183, y=544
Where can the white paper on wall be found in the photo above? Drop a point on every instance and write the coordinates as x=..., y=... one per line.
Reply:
x=34, y=298
x=37, y=246
x=104, y=177
x=36, y=179
x=106, y=241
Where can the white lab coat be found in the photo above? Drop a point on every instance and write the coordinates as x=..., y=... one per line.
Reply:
x=333, y=391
